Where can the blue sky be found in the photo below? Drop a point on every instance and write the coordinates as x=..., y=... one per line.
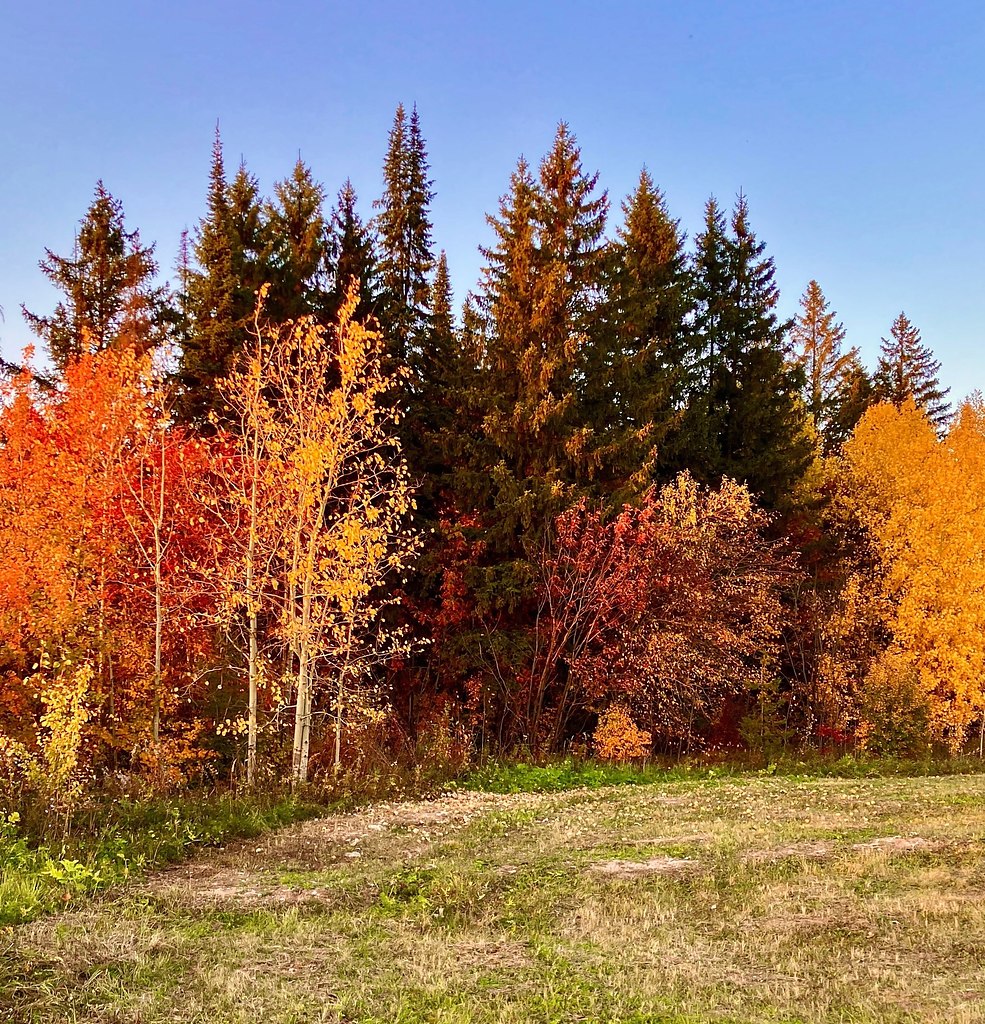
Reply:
x=856, y=129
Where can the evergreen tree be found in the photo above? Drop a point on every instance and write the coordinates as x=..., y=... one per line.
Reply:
x=439, y=371
x=436, y=367
x=853, y=395
x=816, y=338
x=404, y=229
x=650, y=298
x=298, y=239
x=544, y=425
x=110, y=300
x=907, y=369
x=748, y=422
x=352, y=255
x=250, y=243
x=229, y=249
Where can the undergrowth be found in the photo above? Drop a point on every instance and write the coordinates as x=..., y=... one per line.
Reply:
x=115, y=841
x=572, y=773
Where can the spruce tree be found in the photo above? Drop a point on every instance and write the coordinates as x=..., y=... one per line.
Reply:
x=432, y=446
x=436, y=367
x=748, y=421
x=543, y=423
x=230, y=249
x=298, y=239
x=352, y=256
x=250, y=242
x=403, y=227
x=816, y=338
x=853, y=395
x=110, y=300
x=907, y=369
x=650, y=300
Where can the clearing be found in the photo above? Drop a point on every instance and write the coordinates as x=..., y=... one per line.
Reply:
x=744, y=900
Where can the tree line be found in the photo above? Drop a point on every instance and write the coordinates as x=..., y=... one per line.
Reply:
x=297, y=505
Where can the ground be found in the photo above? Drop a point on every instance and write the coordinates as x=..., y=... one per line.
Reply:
x=743, y=900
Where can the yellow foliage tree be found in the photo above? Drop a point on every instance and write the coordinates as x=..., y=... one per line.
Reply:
x=918, y=499
x=317, y=414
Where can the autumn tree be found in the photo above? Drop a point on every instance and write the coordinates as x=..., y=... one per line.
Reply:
x=664, y=610
x=252, y=500
x=343, y=521
x=171, y=592
x=907, y=369
x=110, y=299
x=917, y=497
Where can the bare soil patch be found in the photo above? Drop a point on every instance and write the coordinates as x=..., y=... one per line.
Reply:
x=673, y=867
x=899, y=844
x=819, y=850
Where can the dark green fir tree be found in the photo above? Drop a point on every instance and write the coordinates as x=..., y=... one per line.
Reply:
x=652, y=360
x=297, y=232
x=747, y=419
x=109, y=296
x=352, y=257
x=403, y=227
x=229, y=249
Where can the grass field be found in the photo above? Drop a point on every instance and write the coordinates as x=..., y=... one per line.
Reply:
x=748, y=899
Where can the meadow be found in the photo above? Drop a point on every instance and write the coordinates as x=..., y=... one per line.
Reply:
x=740, y=898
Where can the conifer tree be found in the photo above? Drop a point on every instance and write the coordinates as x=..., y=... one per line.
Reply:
x=907, y=369
x=298, y=240
x=853, y=396
x=229, y=249
x=543, y=423
x=110, y=300
x=817, y=338
x=750, y=422
x=352, y=256
x=436, y=367
x=404, y=229
x=251, y=243
x=650, y=297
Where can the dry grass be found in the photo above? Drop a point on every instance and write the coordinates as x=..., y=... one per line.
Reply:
x=748, y=900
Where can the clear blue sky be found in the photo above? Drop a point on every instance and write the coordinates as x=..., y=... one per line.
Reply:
x=856, y=129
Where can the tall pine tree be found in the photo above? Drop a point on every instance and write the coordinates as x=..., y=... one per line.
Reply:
x=352, y=256
x=403, y=227
x=298, y=239
x=230, y=249
x=543, y=424
x=650, y=301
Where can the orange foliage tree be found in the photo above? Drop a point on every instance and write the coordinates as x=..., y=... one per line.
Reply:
x=77, y=467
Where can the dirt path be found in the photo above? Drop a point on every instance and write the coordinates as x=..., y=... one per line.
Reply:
x=248, y=872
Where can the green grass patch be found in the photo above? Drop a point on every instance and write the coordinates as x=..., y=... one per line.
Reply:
x=570, y=773
x=111, y=843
